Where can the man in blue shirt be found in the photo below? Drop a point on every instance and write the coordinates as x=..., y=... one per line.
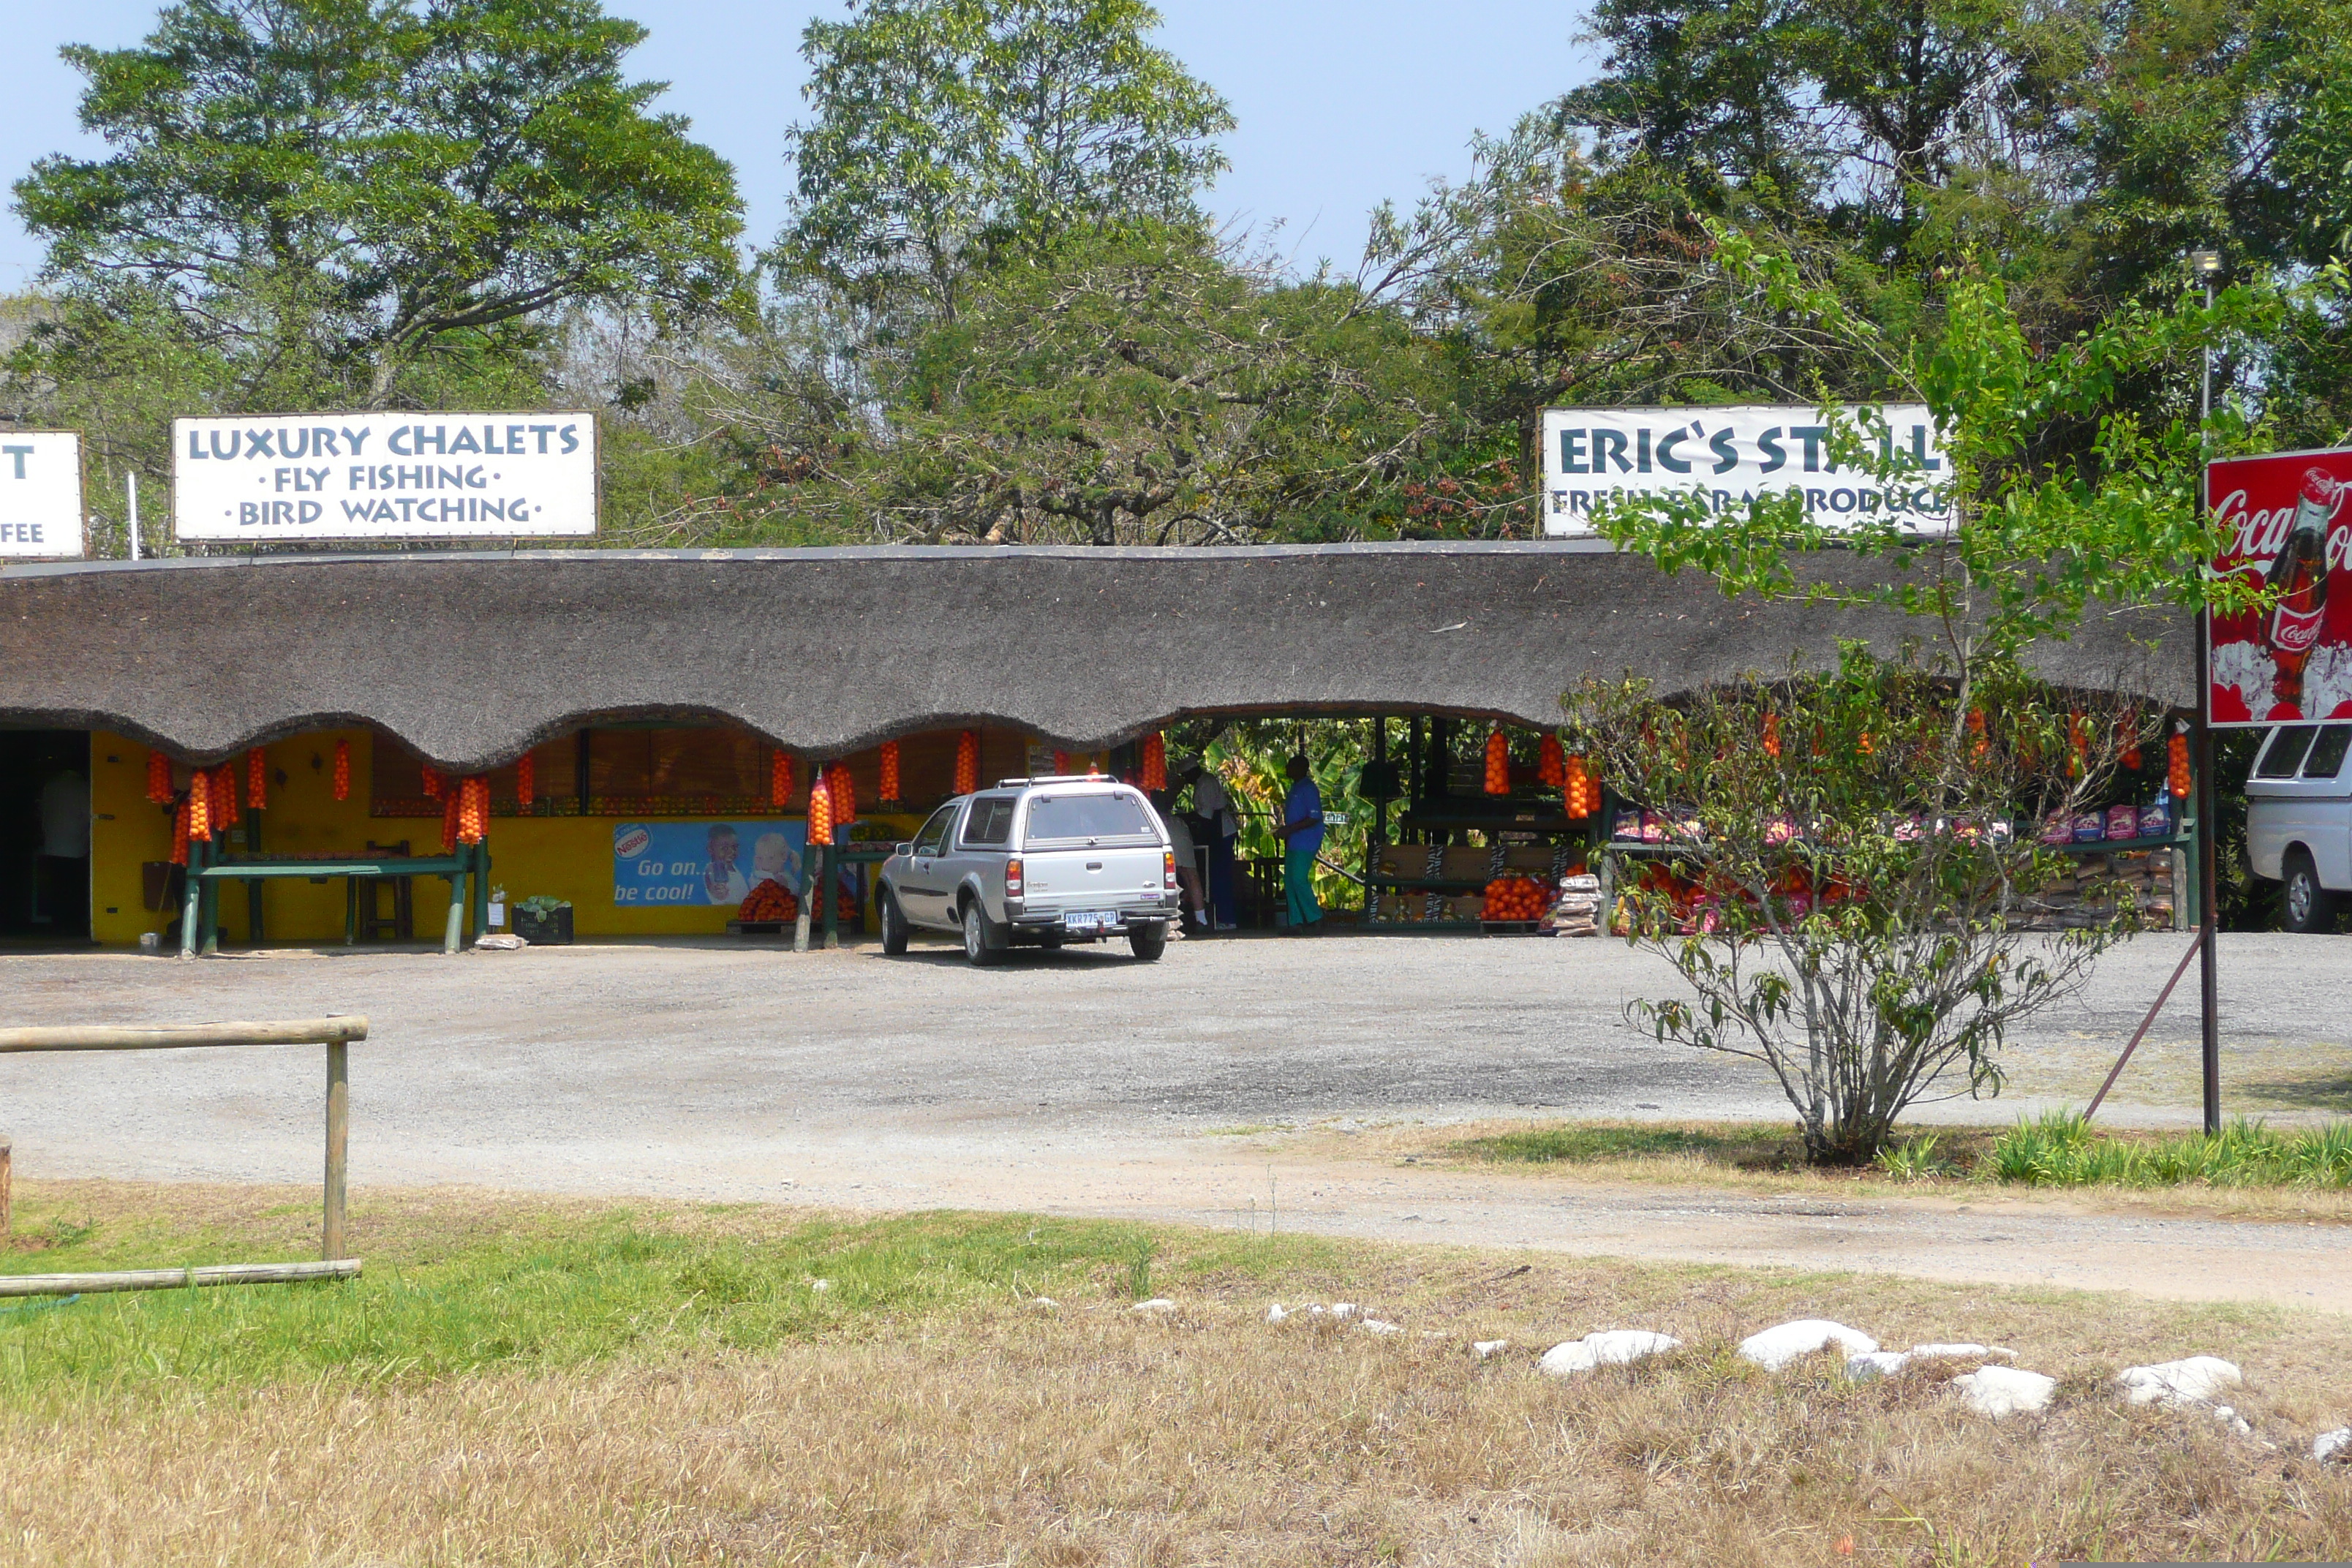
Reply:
x=1302, y=827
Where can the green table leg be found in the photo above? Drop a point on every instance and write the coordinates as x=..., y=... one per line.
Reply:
x=481, y=901
x=830, y=884
x=192, y=903
x=452, y=936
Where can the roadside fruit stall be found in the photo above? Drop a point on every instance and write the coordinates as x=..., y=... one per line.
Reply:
x=1487, y=838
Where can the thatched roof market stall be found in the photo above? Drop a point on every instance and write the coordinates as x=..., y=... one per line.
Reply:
x=472, y=658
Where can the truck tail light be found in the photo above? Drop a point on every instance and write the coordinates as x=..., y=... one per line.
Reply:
x=1169, y=857
x=1012, y=878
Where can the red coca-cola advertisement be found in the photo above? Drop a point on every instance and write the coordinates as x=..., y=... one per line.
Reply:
x=2289, y=520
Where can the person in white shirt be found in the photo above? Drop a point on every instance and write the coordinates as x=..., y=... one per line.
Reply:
x=1211, y=802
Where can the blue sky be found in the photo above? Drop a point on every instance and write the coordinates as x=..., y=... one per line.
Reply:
x=1340, y=104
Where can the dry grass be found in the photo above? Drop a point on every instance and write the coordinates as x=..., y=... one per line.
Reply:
x=977, y=1429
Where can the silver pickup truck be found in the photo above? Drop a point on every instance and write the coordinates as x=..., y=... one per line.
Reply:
x=1035, y=862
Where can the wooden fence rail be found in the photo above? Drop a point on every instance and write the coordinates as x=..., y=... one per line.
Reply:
x=335, y=1033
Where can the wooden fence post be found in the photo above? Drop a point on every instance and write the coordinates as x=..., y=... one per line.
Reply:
x=4, y=1187
x=339, y=1129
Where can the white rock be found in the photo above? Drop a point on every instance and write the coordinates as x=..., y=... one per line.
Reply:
x=1875, y=1363
x=2174, y=1383
x=2333, y=1448
x=1157, y=1304
x=1609, y=1347
x=1046, y=1303
x=1776, y=1347
x=1887, y=1363
x=1374, y=1326
x=1482, y=1348
x=1275, y=1313
x=2229, y=1417
x=820, y=1286
x=1998, y=1391
x=1342, y=1309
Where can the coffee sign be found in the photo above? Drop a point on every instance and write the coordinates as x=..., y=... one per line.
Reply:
x=383, y=476
x=40, y=493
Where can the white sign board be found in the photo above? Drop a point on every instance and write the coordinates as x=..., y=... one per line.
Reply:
x=40, y=493
x=1735, y=456
x=383, y=476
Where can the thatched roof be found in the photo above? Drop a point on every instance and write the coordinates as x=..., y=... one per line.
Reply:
x=472, y=658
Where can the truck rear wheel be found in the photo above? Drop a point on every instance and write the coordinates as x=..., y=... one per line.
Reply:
x=983, y=944
x=1148, y=941
x=2310, y=908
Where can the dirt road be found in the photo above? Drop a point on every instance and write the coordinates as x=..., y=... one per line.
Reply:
x=1080, y=1082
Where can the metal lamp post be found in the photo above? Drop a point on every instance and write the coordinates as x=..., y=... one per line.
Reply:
x=2205, y=266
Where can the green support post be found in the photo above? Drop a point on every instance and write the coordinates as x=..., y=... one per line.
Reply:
x=254, y=928
x=453, y=935
x=828, y=886
x=192, y=900
x=481, y=859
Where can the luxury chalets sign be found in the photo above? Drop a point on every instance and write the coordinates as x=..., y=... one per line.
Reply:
x=383, y=476
x=40, y=493
x=1735, y=454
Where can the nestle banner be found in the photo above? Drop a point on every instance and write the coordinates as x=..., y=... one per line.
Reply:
x=1734, y=455
x=2290, y=530
x=383, y=476
x=40, y=493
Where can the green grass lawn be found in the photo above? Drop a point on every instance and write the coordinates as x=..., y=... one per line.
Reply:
x=2057, y=1150
x=460, y=1287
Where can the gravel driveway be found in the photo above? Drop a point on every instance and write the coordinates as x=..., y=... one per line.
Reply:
x=1078, y=1081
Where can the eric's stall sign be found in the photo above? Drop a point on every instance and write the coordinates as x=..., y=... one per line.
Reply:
x=40, y=493
x=1730, y=457
x=384, y=476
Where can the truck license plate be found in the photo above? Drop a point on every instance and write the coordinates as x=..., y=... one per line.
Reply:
x=1089, y=920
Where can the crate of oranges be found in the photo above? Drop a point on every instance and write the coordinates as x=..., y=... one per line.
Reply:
x=1512, y=903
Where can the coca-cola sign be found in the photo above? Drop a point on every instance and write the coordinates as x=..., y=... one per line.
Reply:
x=2290, y=533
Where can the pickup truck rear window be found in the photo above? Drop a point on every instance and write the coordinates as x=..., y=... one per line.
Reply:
x=1087, y=817
x=2285, y=753
x=990, y=822
x=2326, y=757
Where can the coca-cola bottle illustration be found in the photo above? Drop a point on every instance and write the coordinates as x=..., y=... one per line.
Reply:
x=2299, y=576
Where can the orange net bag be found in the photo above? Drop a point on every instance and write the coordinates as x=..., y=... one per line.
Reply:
x=526, y=781
x=342, y=770
x=1155, y=763
x=1498, y=763
x=159, y=778
x=1552, y=763
x=820, y=810
x=888, y=788
x=200, y=807
x=779, y=777
x=844, y=795
x=256, y=778
x=180, y=834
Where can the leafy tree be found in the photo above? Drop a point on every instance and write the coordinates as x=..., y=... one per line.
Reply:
x=357, y=185
x=949, y=134
x=1843, y=891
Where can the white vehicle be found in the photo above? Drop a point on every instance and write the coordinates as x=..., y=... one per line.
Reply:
x=2299, y=820
x=1035, y=862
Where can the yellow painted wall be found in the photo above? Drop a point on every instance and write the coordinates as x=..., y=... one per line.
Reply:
x=560, y=856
